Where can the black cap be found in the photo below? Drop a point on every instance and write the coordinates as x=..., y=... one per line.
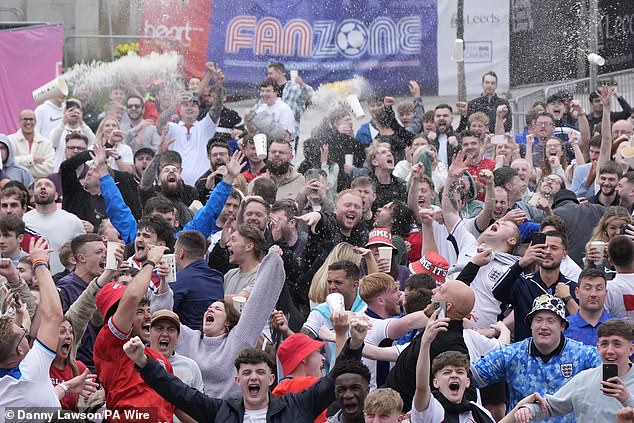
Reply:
x=144, y=150
x=564, y=195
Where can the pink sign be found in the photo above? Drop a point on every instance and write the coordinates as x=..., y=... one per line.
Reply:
x=30, y=58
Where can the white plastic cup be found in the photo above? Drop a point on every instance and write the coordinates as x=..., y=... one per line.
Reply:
x=598, y=246
x=170, y=261
x=111, y=261
x=458, y=51
x=51, y=89
x=294, y=74
x=498, y=139
x=335, y=302
x=386, y=253
x=349, y=158
x=595, y=59
x=238, y=303
x=260, y=145
x=353, y=102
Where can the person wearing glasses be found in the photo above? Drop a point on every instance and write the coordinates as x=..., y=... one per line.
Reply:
x=24, y=368
x=30, y=148
x=139, y=132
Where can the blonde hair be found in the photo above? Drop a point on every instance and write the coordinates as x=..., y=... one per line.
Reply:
x=611, y=214
x=375, y=284
x=383, y=401
x=241, y=184
x=99, y=135
x=318, y=290
x=479, y=117
x=373, y=150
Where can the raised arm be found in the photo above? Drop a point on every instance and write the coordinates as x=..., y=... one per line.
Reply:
x=422, y=395
x=606, y=129
x=135, y=290
x=50, y=306
x=450, y=210
x=584, y=125
x=485, y=216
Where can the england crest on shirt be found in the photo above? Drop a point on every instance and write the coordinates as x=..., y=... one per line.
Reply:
x=566, y=369
x=495, y=274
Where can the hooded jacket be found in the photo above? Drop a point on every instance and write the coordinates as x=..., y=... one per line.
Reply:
x=10, y=168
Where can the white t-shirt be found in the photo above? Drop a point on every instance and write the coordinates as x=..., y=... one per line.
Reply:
x=375, y=336
x=30, y=384
x=436, y=414
x=126, y=154
x=57, y=228
x=620, y=299
x=255, y=416
x=280, y=112
x=48, y=116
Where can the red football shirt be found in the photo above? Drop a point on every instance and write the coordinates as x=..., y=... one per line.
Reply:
x=475, y=172
x=69, y=402
x=125, y=389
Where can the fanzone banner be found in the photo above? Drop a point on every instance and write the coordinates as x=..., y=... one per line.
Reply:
x=31, y=57
x=386, y=42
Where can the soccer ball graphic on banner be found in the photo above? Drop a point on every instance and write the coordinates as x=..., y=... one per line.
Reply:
x=352, y=38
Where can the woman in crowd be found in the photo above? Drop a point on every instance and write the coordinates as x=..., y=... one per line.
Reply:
x=611, y=224
x=109, y=135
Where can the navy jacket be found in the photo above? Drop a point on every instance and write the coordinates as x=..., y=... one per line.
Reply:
x=303, y=407
x=195, y=288
x=520, y=290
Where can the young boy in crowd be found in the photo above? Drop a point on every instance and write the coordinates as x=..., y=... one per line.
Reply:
x=383, y=405
x=11, y=234
x=450, y=370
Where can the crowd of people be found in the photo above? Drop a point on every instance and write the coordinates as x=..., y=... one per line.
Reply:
x=408, y=271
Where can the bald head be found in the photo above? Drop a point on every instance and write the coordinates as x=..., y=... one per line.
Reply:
x=27, y=121
x=621, y=127
x=461, y=298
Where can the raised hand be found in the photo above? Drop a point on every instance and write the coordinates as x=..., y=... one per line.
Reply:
x=135, y=350
x=414, y=88
x=434, y=327
x=234, y=167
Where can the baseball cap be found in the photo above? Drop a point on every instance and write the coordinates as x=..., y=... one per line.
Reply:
x=144, y=150
x=294, y=349
x=433, y=264
x=380, y=236
x=109, y=295
x=546, y=302
x=166, y=315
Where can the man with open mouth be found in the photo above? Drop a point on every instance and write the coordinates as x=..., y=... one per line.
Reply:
x=254, y=377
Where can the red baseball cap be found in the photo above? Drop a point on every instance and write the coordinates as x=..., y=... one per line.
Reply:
x=380, y=236
x=433, y=264
x=109, y=295
x=294, y=349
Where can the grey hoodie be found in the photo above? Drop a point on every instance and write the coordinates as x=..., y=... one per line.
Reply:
x=10, y=169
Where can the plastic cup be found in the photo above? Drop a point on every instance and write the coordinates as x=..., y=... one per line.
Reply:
x=260, y=145
x=51, y=89
x=386, y=253
x=458, y=51
x=599, y=247
x=170, y=261
x=349, y=158
x=595, y=59
x=294, y=74
x=353, y=102
x=238, y=303
x=335, y=302
x=111, y=261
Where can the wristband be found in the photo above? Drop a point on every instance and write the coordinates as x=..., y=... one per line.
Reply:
x=566, y=299
x=146, y=262
x=39, y=262
x=64, y=387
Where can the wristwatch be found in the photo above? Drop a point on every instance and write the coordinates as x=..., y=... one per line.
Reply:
x=146, y=262
x=566, y=299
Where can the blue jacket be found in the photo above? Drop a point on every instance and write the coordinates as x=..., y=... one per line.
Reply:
x=196, y=286
x=122, y=219
x=519, y=290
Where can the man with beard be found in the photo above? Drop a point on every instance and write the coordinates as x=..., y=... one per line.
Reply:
x=625, y=190
x=170, y=183
x=280, y=171
x=445, y=141
x=388, y=186
x=329, y=229
x=219, y=154
x=519, y=289
x=57, y=226
x=139, y=132
x=609, y=176
x=472, y=144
